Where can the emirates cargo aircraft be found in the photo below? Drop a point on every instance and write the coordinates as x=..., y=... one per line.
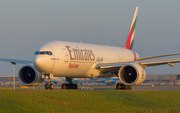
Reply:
x=78, y=60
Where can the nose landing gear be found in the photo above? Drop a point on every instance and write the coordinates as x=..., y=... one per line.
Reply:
x=49, y=84
x=70, y=85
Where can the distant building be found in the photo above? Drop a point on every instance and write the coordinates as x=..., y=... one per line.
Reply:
x=162, y=79
x=8, y=80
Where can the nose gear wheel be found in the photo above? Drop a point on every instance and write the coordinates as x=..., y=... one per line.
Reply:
x=49, y=84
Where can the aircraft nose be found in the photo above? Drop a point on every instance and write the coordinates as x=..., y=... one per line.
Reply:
x=38, y=62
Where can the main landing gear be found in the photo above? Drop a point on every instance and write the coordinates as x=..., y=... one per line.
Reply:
x=120, y=86
x=49, y=84
x=70, y=85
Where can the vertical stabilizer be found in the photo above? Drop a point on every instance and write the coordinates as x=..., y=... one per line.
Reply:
x=130, y=38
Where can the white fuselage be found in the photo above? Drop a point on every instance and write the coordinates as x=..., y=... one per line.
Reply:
x=77, y=59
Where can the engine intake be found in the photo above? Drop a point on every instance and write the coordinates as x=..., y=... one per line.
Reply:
x=131, y=74
x=29, y=76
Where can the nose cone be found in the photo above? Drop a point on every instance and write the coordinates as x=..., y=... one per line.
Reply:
x=38, y=63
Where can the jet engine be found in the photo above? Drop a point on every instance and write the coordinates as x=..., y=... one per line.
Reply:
x=28, y=75
x=131, y=74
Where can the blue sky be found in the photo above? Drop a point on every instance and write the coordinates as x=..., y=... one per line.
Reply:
x=25, y=25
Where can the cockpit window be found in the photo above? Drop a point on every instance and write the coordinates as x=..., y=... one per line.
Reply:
x=36, y=52
x=43, y=53
x=49, y=52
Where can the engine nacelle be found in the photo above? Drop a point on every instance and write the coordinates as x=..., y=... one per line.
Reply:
x=29, y=76
x=132, y=74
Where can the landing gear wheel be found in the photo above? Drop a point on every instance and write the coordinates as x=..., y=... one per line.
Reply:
x=47, y=86
x=75, y=86
x=69, y=86
x=63, y=86
x=129, y=88
x=51, y=86
x=123, y=87
x=118, y=86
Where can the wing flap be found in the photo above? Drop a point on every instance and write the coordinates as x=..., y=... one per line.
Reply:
x=144, y=58
x=148, y=63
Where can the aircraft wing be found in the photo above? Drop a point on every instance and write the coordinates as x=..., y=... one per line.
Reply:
x=144, y=63
x=170, y=62
x=14, y=61
x=143, y=58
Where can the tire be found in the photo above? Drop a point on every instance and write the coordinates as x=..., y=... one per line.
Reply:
x=68, y=86
x=122, y=86
x=63, y=86
x=125, y=87
x=51, y=86
x=74, y=86
x=46, y=86
x=129, y=87
x=118, y=86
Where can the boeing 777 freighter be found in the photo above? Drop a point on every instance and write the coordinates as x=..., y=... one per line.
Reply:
x=78, y=60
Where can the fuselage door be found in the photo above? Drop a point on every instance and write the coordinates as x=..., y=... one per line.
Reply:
x=66, y=56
